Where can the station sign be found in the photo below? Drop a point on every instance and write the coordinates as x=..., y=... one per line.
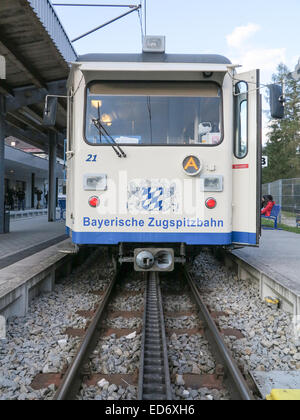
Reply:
x=2, y=67
x=264, y=161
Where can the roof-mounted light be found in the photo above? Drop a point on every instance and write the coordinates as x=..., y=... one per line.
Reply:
x=154, y=44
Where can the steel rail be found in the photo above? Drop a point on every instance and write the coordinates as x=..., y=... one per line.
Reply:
x=233, y=378
x=154, y=375
x=72, y=381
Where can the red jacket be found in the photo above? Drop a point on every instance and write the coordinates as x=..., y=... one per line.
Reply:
x=267, y=210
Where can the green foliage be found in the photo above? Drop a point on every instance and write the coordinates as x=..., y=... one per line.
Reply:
x=270, y=223
x=283, y=146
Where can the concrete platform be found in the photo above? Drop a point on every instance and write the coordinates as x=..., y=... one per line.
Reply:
x=27, y=237
x=22, y=281
x=278, y=256
x=268, y=381
x=275, y=265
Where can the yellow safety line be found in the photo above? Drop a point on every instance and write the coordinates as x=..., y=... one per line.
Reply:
x=284, y=395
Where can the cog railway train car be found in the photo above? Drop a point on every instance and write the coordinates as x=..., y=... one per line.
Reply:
x=163, y=155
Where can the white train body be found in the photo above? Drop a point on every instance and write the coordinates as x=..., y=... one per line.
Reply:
x=190, y=129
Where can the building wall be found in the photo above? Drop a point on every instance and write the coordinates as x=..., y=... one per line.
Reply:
x=40, y=183
x=19, y=167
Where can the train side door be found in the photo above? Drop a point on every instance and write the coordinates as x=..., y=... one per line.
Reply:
x=246, y=165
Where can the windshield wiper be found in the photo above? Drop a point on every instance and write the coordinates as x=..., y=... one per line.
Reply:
x=150, y=116
x=103, y=132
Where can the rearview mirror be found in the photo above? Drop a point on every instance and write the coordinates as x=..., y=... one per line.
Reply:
x=50, y=111
x=276, y=101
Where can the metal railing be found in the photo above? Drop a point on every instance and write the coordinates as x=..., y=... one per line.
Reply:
x=286, y=193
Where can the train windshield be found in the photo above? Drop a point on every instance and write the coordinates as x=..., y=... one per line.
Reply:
x=154, y=113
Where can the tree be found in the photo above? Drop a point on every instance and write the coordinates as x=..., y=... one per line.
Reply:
x=283, y=145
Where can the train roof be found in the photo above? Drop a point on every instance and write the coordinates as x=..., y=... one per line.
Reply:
x=154, y=58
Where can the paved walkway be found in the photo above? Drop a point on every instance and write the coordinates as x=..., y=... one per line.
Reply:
x=278, y=256
x=28, y=236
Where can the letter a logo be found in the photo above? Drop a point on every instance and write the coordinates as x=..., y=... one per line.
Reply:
x=191, y=165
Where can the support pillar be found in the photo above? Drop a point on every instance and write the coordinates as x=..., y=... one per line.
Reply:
x=280, y=199
x=56, y=192
x=52, y=177
x=32, y=189
x=48, y=284
x=2, y=151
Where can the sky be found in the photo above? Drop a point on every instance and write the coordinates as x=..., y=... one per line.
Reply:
x=257, y=34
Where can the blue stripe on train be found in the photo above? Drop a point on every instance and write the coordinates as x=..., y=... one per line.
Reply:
x=112, y=238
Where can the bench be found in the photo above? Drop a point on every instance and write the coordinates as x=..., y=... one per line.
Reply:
x=274, y=215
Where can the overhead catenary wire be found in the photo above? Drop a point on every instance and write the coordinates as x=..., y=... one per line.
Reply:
x=106, y=23
x=131, y=6
x=145, y=15
x=150, y=116
x=141, y=25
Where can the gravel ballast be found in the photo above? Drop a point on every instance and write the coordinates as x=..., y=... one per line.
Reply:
x=37, y=343
x=268, y=342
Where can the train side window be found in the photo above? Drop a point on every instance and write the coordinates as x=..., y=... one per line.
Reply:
x=241, y=120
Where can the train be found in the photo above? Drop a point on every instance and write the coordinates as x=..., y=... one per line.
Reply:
x=164, y=154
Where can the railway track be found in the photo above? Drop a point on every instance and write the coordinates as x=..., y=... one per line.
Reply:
x=154, y=376
x=232, y=377
x=72, y=379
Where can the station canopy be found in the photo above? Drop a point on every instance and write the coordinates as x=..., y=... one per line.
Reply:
x=37, y=52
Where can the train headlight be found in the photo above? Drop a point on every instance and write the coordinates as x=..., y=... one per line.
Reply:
x=212, y=183
x=95, y=182
x=164, y=260
x=211, y=203
x=154, y=259
x=94, y=201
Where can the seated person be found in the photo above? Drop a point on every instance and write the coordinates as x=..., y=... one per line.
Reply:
x=268, y=205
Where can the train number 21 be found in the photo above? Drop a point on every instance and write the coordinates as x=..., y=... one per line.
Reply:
x=91, y=158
